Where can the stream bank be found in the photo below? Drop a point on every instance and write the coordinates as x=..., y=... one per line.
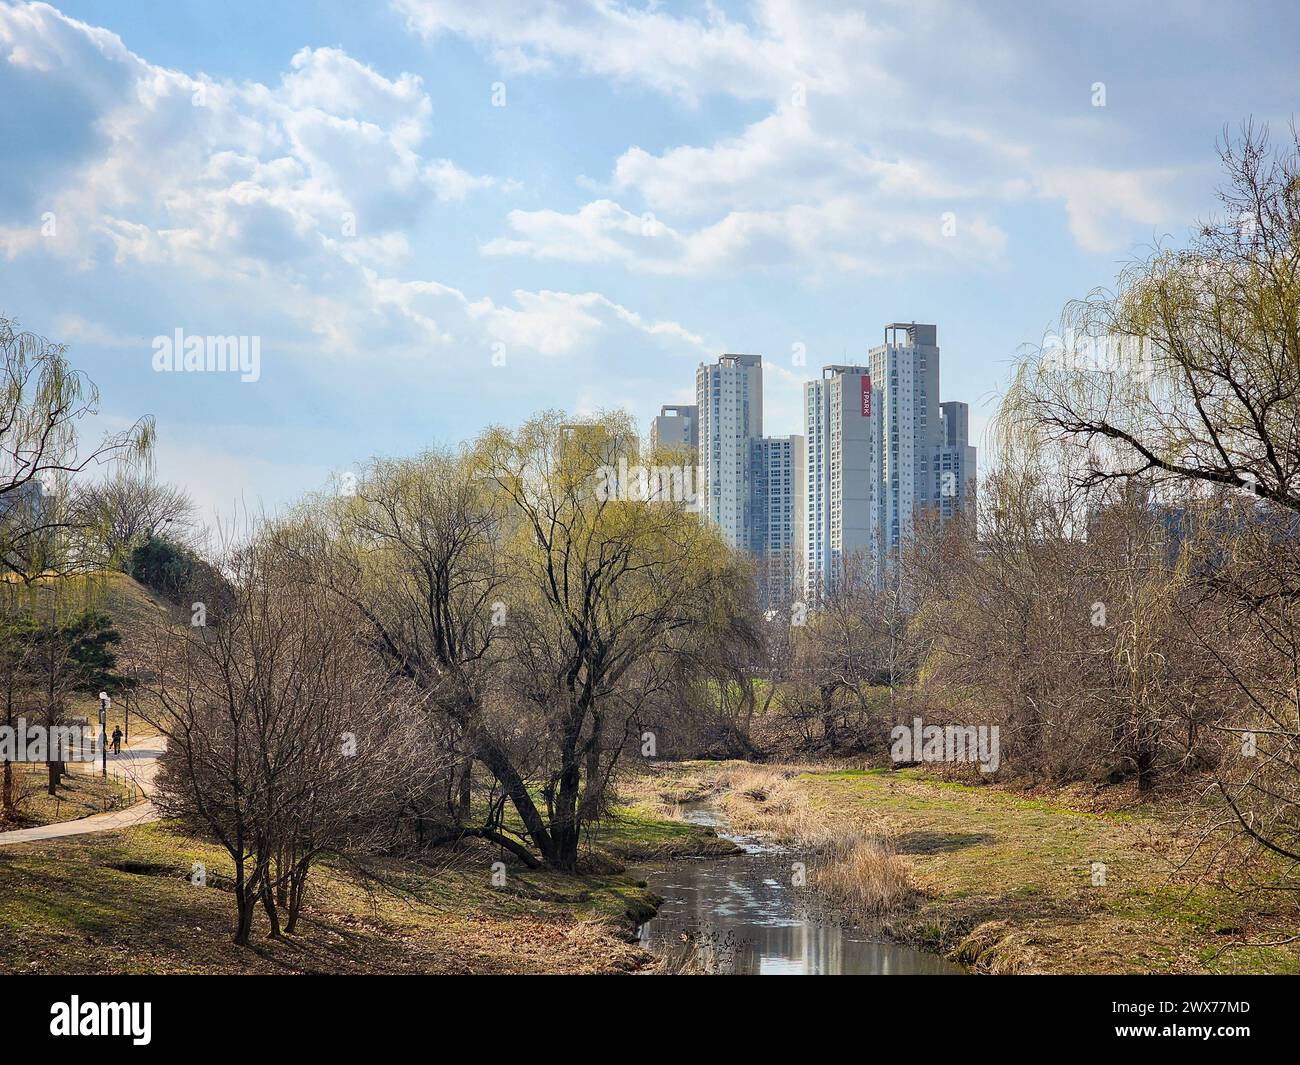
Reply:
x=743, y=914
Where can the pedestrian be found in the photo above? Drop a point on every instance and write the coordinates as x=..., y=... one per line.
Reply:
x=117, y=739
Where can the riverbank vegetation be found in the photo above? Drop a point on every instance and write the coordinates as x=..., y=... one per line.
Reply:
x=128, y=902
x=1066, y=880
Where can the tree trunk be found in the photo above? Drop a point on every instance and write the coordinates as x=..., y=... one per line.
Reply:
x=268, y=904
x=464, y=780
x=565, y=825
x=828, y=718
x=245, y=899
x=297, y=891
x=499, y=764
x=244, y=902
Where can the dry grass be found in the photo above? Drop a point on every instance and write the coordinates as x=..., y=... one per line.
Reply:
x=758, y=799
x=862, y=876
x=660, y=789
x=121, y=902
x=854, y=865
x=994, y=948
x=81, y=794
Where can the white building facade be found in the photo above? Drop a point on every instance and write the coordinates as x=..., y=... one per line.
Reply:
x=729, y=398
x=777, y=465
x=906, y=369
x=842, y=456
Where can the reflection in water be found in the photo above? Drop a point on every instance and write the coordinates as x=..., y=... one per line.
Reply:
x=745, y=913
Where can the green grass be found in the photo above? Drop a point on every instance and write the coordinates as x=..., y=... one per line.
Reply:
x=80, y=794
x=986, y=854
x=122, y=902
x=632, y=835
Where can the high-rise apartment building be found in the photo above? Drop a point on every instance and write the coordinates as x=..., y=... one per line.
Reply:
x=906, y=370
x=954, y=461
x=677, y=426
x=878, y=449
x=927, y=461
x=842, y=429
x=777, y=465
x=729, y=398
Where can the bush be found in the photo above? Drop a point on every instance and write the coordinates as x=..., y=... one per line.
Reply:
x=164, y=566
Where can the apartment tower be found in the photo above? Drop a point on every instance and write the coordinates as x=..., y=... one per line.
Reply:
x=677, y=426
x=842, y=428
x=729, y=398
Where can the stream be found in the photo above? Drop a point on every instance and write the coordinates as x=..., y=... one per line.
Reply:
x=743, y=912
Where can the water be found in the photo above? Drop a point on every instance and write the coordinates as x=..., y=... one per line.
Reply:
x=743, y=911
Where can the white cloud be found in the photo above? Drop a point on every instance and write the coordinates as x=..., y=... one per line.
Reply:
x=830, y=236
x=293, y=201
x=1100, y=203
x=685, y=56
x=547, y=323
x=881, y=122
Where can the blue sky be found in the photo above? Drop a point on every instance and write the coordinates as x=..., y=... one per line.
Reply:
x=664, y=182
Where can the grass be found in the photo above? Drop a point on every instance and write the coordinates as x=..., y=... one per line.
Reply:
x=860, y=874
x=852, y=861
x=635, y=835
x=1002, y=880
x=80, y=794
x=1007, y=881
x=122, y=902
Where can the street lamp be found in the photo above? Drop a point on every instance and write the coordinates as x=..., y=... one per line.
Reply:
x=104, y=703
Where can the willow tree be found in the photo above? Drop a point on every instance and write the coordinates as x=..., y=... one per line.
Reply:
x=1187, y=376
x=611, y=585
x=1190, y=370
x=43, y=403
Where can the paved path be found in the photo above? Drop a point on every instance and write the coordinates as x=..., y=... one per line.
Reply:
x=138, y=763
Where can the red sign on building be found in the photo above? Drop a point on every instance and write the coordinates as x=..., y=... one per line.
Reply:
x=866, y=397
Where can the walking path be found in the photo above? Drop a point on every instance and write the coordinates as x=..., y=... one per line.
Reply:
x=138, y=763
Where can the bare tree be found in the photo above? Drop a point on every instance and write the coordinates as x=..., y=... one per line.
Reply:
x=417, y=552
x=286, y=737
x=128, y=508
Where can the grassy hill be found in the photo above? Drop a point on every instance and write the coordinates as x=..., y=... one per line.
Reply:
x=134, y=610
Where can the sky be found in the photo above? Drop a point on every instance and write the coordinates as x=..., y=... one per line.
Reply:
x=436, y=215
